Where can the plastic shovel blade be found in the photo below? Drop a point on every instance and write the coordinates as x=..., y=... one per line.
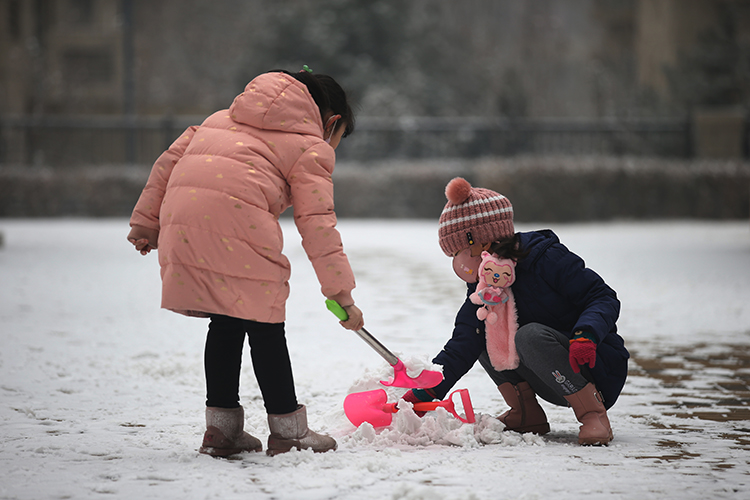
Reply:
x=373, y=407
x=425, y=380
x=369, y=406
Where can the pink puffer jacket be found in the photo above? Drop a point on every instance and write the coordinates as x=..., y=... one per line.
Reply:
x=216, y=195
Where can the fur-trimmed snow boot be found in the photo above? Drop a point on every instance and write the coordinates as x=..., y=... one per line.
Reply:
x=525, y=414
x=224, y=434
x=588, y=406
x=290, y=431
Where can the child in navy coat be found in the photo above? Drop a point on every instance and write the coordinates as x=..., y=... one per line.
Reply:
x=568, y=349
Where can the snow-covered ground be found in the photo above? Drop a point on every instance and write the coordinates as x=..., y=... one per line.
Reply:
x=102, y=392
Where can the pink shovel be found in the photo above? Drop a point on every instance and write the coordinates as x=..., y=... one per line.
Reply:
x=425, y=380
x=373, y=407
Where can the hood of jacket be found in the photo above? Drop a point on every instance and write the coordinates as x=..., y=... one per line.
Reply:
x=537, y=242
x=277, y=101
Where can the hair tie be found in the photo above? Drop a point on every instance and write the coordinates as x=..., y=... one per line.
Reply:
x=305, y=67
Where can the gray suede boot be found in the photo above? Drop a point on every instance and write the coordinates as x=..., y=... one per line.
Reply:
x=224, y=434
x=290, y=431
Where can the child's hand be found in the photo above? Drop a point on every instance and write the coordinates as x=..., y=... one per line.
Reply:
x=355, y=321
x=582, y=352
x=143, y=238
x=419, y=396
x=142, y=246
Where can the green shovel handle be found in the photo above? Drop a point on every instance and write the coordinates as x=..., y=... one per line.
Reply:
x=336, y=309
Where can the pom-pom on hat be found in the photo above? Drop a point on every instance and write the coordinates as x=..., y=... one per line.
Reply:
x=473, y=215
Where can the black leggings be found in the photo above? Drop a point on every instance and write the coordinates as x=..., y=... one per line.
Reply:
x=270, y=357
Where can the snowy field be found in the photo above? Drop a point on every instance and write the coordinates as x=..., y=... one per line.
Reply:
x=103, y=396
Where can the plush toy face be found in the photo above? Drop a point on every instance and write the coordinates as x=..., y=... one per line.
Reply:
x=496, y=272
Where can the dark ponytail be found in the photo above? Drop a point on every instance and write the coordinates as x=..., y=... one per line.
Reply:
x=338, y=101
x=328, y=95
x=509, y=248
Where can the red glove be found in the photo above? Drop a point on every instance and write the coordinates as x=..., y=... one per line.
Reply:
x=582, y=351
x=426, y=396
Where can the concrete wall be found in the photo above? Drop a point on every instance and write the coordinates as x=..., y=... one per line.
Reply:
x=540, y=188
x=555, y=189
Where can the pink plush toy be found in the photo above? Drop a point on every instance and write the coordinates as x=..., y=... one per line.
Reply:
x=499, y=309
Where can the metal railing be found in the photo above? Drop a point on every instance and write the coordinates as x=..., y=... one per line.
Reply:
x=87, y=140
x=93, y=140
x=425, y=137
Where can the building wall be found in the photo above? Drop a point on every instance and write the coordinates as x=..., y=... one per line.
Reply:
x=537, y=58
x=664, y=29
x=60, y=57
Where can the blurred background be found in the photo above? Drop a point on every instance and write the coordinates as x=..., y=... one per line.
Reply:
x=575, y=109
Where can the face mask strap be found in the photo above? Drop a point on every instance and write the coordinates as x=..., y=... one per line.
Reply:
x=334, y=118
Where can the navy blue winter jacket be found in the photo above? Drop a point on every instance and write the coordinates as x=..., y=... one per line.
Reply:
x=555, y=288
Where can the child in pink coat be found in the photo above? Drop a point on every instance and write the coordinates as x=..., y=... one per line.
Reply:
x=211, y=207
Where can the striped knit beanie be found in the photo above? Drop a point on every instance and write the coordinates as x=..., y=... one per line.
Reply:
x=473, y=215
